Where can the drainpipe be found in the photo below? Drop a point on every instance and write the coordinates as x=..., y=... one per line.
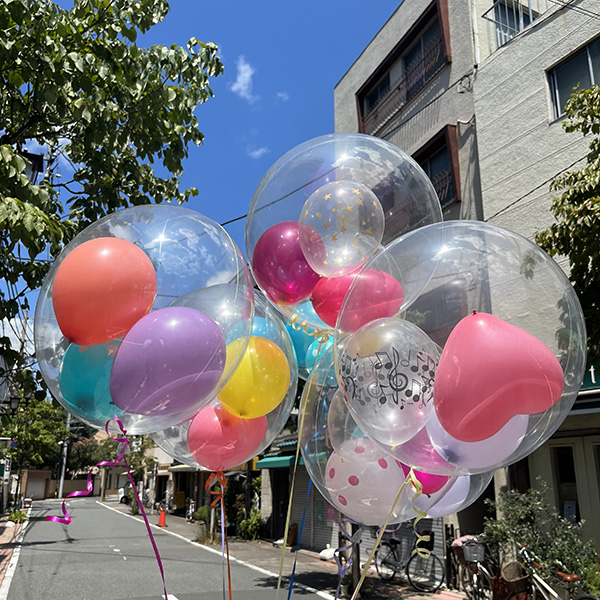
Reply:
x=476, y=34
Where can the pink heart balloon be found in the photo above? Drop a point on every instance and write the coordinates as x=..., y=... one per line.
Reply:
x=489, y=372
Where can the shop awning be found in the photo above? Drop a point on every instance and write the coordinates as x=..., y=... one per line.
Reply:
x=276, y=462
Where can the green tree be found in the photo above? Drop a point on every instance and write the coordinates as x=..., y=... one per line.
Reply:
x=35, y=428
x=576, y=234
x=76, y=82
x=88, y=452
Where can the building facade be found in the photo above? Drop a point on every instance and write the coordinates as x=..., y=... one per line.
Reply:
x=475, y=92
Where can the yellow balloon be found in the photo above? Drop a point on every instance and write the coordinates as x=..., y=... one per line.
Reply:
x=260, y=382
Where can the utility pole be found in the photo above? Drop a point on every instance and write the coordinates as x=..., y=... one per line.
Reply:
x=63, y=467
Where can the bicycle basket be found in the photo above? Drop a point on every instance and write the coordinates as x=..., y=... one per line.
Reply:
x=473, y=551
x=429, y=544
x=515, y=577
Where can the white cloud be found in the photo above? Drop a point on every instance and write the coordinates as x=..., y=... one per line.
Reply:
x=283, y=96
x=243, y=84
x=257, y=152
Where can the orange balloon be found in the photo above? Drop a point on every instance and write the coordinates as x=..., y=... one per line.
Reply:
x=101, y=289
x=259, y=383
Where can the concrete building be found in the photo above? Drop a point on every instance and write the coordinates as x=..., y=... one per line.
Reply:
x=475, y=92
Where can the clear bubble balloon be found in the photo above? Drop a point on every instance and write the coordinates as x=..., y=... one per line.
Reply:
x=387, y=369
x=341, y=226
x=120, y=285
x=512, y=335
x=213, y=443
x=274, y=250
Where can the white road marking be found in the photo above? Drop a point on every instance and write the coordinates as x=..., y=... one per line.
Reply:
x=237, y=560
x=12, y=565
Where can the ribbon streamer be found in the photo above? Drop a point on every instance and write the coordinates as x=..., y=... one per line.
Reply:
x=320, y=335
x=354, y=539
x=417, y=487
x=123, y=448
x=219, y=476
x=300, y=530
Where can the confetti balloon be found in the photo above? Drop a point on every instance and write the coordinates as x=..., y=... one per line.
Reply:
x=341, y=226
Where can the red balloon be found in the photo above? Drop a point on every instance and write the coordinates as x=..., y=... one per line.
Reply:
x=489, y=372
x=101, y=289
x=375, y=295
x=328, y=296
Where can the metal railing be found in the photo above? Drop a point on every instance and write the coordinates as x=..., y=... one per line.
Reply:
x=404, y=89
x=507, y=18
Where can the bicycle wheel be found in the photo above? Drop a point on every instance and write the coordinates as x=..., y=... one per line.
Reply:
x=385, y=562
x=425, y=574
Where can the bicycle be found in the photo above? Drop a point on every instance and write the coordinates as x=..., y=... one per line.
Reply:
x=423, y=574
x=521, y=577
x=475, y=579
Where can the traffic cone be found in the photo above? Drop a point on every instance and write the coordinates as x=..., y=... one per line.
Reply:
x=162, y=520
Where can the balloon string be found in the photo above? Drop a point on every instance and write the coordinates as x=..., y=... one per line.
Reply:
x=354, y=539
x=320, y=335
x=378, y=540
x=124, y=446
x=124, y=441
x=417, y=487
x=219, y=476
x=289, y=510
x=300, y=530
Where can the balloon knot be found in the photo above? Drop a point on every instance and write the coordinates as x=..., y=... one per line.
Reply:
x=474, y=312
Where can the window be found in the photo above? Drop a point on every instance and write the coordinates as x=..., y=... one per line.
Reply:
x=415, y=60
x=439, y=159
x=581, y=69
x=507, y=18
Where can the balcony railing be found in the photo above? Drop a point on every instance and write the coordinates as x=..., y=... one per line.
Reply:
x=404, y=89
x=444, y=187
x=507, y=18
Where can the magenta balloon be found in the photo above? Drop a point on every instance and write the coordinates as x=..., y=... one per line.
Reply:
x=169, y=362
x=279, y=266
x=431, y=483
x=219, y=440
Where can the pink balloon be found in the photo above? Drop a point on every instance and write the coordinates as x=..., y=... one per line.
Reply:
x=431, y=483
x=279, y=265
x=489, y=372
x=219, y=440
x=375, y=295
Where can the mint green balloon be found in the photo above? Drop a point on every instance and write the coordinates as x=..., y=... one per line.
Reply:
x=84, y=382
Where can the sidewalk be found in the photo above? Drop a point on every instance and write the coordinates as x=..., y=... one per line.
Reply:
x=316, y=574
x=8, y=542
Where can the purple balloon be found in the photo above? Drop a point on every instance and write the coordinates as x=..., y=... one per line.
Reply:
x=279, y=266
x=169, y=362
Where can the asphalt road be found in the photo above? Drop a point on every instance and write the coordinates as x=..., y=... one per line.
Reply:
x=104, y=555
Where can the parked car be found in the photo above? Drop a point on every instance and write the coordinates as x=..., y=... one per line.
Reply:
x=124, y=493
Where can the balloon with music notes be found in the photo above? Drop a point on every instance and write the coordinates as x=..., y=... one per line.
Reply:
x=387, y=369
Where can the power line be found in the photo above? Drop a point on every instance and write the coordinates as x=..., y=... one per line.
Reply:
x=579, y=9
x=537, y=187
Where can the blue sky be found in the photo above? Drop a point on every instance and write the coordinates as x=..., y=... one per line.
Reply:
x=282, y=61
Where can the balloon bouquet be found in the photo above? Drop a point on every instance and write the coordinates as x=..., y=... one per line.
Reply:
x=442, y=351
x=434, y=352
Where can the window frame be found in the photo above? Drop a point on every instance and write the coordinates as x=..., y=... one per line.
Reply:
x=437, y=9
x=448, y=138
x=558, y=111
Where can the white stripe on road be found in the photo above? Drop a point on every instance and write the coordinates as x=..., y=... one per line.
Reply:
x=14, y=559
x=237, y=560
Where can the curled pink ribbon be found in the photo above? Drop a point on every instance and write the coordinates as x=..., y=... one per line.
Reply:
x=124, y=445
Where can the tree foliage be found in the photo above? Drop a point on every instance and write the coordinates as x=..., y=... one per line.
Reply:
x=119, y=118
x=576, y=234
x=85, y=453
x=36, y=428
